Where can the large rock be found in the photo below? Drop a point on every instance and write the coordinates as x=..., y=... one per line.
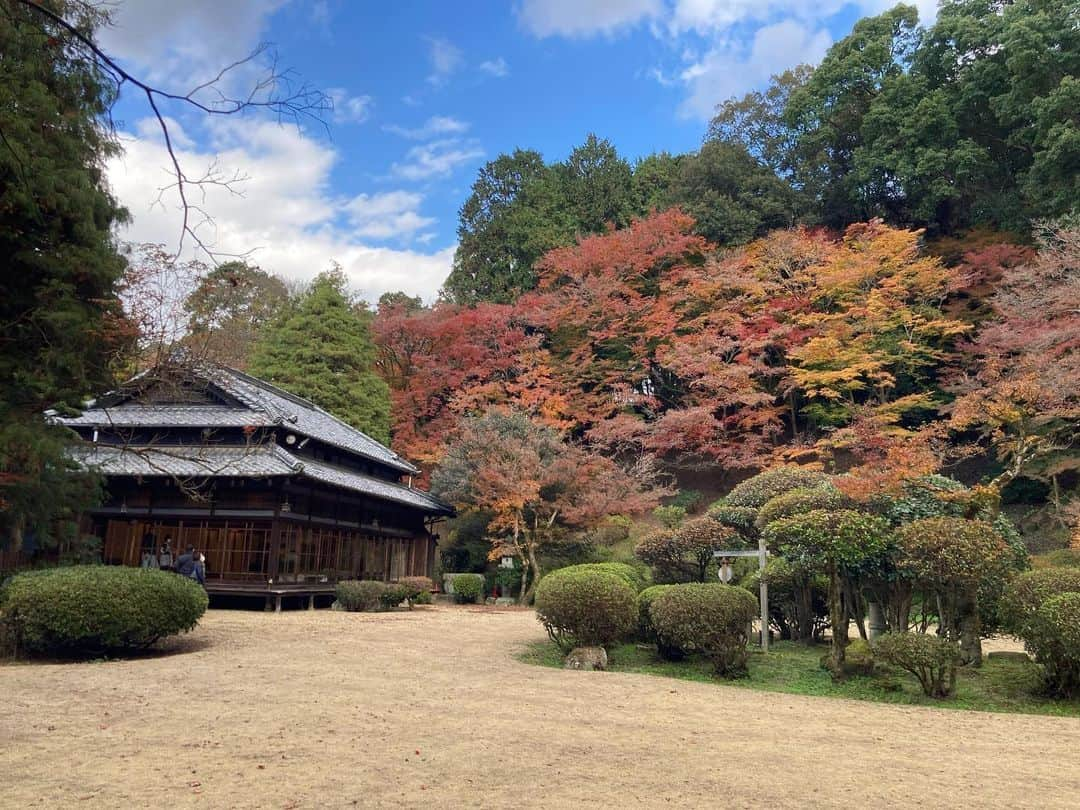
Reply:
x=586, y=658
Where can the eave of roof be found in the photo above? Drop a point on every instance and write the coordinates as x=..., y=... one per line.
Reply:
x=257, y=461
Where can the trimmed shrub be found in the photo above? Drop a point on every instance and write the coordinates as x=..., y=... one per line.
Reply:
x=859, y=658
x=757, y=491
x=394, y=595
x=357, y=595
x=1053, y=637
x=417, y=590
x=93, y=609
x=1059, y=558
x=684, y=553
x=1031, y=590
x=798, y=501
x=645, y=630
x=634, y=577
x=468, y=588
x=586, y=605
x=709, y=618
x=739, y=518
x=930, y=659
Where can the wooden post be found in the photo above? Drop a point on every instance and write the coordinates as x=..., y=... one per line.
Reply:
x=764, y=596
x=311, y=602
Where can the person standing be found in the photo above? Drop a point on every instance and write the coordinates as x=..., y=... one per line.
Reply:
x=149, y=551
x=166, y=558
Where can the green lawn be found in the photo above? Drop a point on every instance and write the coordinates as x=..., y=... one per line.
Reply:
x=998, y=686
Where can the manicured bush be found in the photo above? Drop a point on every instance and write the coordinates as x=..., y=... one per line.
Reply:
x=670, y=516
x=468, y=588
x=1031, y=590
x=417, y=590
x=1052, y=635
x=359, y=595
x=859, y=658
x=930, y=659
x=645, y=631
x=685, y=553
x=586, y=605
x=798, y=501
x=394, y=595
x=636, y=578
x=757, y=491
x=94, y=609
x=709, y=618
x=740, y=518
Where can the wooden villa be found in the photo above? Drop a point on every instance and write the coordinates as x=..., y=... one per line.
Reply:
x=282, y=498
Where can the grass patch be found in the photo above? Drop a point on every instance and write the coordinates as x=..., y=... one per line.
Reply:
x=998, y=686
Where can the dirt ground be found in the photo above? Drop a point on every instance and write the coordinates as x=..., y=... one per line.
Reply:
x=430, y=709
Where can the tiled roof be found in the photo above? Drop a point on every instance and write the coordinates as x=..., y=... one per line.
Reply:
x=182, y=461
x=186, y=461
x=130, y=414
x=379, y=488
x=263, y=404
x=304, y=417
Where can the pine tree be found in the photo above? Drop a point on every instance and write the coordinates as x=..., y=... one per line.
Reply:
x=320, y=348
x=59, y=311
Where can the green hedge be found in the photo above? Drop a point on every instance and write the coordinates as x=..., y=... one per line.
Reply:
x=634, y=577
x=586, y=605
x=932, y=660
x=468, y=587
x=1053, y=637
x=709, y=618
x=95, y=609
x=360, y=595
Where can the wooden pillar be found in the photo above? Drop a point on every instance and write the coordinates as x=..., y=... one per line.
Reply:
x=311, y=602
x=275, y=541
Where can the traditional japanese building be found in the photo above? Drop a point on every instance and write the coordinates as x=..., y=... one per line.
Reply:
x=282, y=498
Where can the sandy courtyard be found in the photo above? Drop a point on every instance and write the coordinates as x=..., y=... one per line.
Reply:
x=430, y=709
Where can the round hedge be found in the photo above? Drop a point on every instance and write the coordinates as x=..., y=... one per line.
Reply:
x=468, y=587
x=710, y=618
x=94, y=609
x=624, y=571
x=932, y=660
x=586, y=605
x=1052, y=635
x=798, y=501
x=949, y=550
x=757, y=491
x=645, y=599
x=1031, y=589
x=359, y=595
x=845, y=537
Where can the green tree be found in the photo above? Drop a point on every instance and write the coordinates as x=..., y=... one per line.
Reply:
x=654, y=176
x=320, y=348
x=496, y=251
x=598, y=186
x=61, y=322
x=826, y=114
x=229, y=308
x=733, y=197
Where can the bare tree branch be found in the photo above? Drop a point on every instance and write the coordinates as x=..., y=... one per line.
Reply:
x=275, y=90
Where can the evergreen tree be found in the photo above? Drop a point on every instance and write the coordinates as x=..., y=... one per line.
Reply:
x=320, y=348
x=60, y=318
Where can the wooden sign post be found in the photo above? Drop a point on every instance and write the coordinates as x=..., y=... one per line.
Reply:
x=763, y=589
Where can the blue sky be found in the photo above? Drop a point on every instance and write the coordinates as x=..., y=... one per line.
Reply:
x=424, y=93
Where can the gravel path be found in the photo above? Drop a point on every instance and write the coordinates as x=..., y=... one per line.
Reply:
x=430, y=709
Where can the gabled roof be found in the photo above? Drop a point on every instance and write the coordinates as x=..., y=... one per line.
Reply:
x=258, y=403
x=267, y=460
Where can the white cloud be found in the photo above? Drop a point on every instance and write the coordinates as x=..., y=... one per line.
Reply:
x=287, y=213
x=437, y=159
x=495, y=67
x=445, y=58
x=349, y=108
x=436, y=125
x=387, y=214
x=730, y=69
x=183, y=44
x=584, y=18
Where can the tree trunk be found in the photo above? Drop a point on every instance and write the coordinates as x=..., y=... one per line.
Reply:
x=524, y=579
x=534, y=565
x=838, y=618
x=970, y=633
